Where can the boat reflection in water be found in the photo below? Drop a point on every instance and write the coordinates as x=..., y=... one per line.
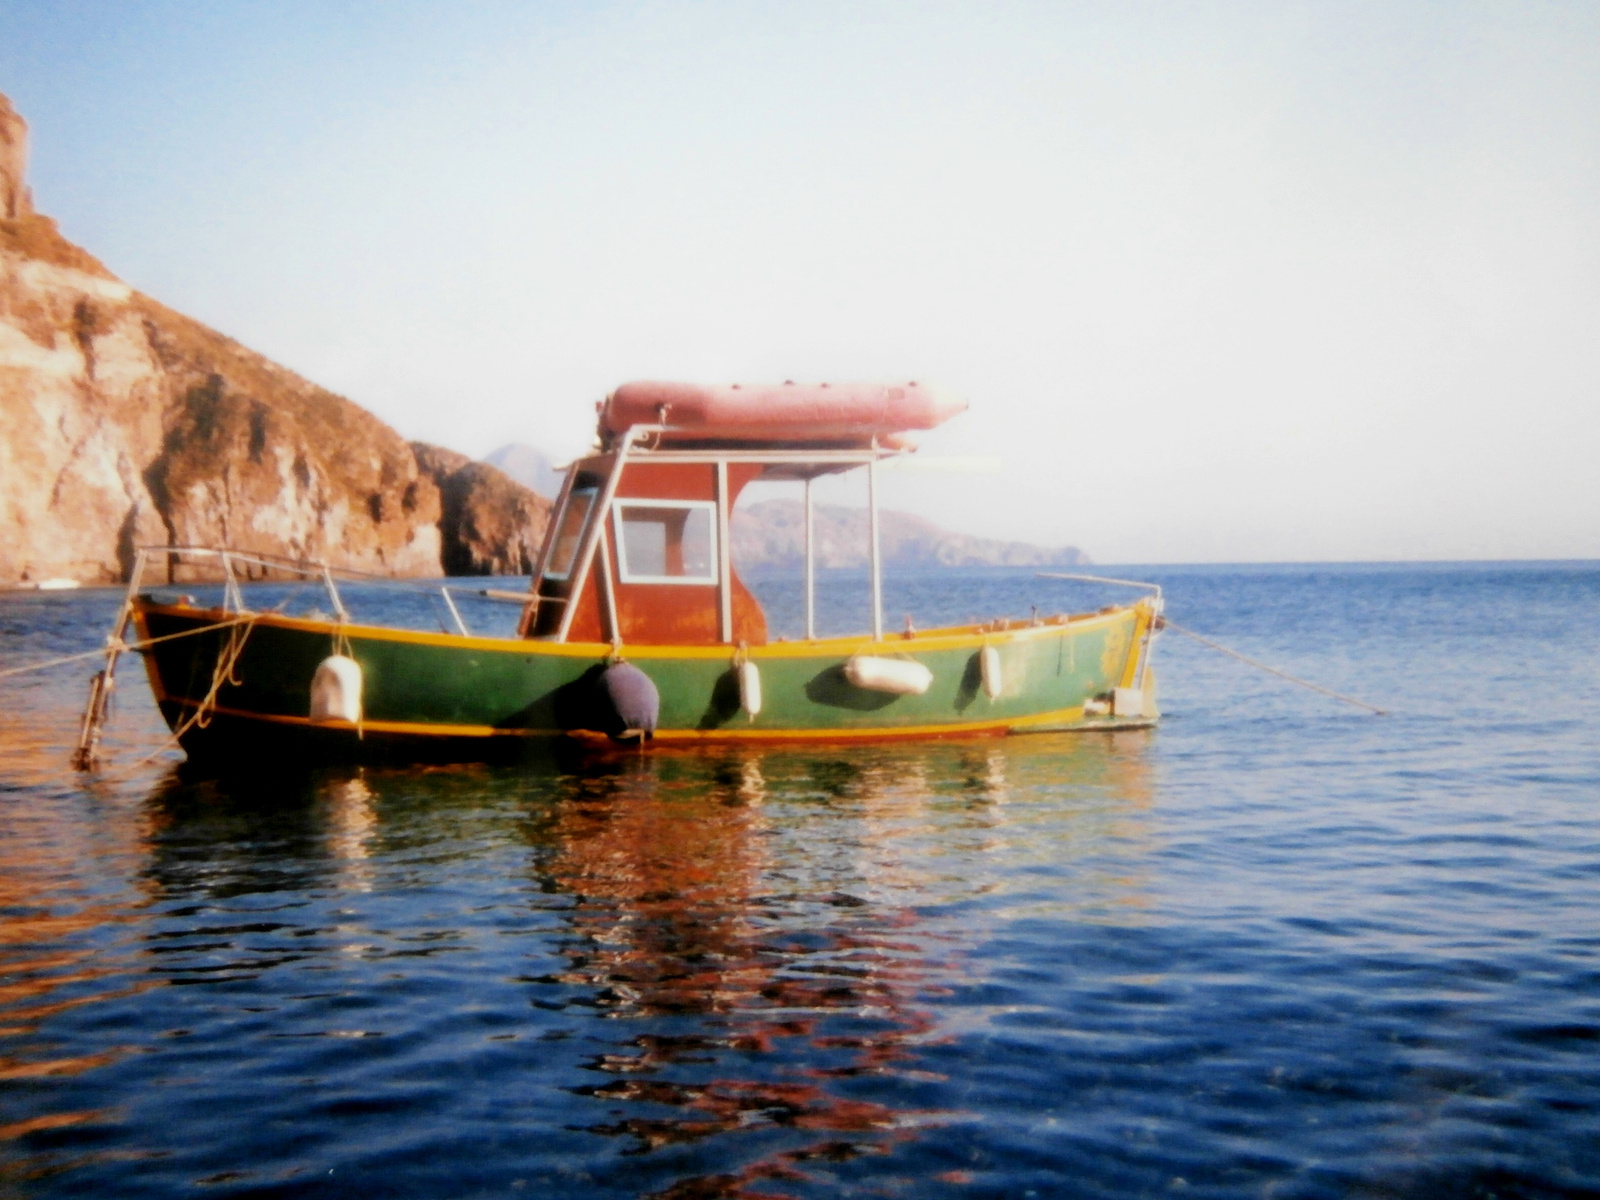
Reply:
x=761, y=914
x=677, y=974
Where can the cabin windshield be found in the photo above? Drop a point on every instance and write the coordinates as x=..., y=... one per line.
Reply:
x=666, y=541
x=573, y=519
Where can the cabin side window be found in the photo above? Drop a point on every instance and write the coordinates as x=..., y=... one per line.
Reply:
x=666, y=541
x=569, y=534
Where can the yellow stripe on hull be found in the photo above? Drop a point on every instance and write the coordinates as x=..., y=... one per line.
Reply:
x=1063, y=719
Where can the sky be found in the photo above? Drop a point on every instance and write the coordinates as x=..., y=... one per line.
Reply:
x=1222, y=282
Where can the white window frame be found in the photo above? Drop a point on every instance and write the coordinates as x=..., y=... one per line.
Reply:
x=593, y=492
x=626, y=576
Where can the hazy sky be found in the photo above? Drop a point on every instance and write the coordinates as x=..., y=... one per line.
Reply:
x=1221, y=281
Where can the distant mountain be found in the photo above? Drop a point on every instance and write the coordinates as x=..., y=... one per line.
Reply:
x=772, y=533
x=529, y=467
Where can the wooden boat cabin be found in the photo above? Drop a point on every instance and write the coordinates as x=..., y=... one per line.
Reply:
x=637, y=549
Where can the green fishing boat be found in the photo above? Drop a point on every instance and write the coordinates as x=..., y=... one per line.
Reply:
x=636, y=627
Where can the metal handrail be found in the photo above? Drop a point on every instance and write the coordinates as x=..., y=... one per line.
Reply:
x=1138, y=583
x=315, y=568
x=590, y=537
x=312, y=570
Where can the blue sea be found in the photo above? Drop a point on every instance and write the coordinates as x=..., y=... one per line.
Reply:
x=1277, y=946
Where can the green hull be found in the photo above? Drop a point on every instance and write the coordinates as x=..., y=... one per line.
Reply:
x=464, y=698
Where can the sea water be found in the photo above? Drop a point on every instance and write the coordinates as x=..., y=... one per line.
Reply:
x=1277, y=946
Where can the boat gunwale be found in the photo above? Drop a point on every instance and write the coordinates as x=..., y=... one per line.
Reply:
x=954, y=637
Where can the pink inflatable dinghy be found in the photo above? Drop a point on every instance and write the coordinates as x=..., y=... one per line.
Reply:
x=786, y=412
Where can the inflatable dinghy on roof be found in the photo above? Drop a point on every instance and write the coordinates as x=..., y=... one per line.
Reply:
x=786, y=414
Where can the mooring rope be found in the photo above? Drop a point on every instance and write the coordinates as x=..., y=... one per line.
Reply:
x=221, y=673
x=119, y=646
x=1166, y=623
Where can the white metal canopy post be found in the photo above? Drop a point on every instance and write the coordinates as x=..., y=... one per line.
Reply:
x=608, y=591
x=552, y=530
x=877, y=564
x=591, y=536
x=811, y=570
x=724, y=571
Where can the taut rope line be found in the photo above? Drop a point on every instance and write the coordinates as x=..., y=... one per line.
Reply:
x=221, y=672
x=119, y=647
x=1261, y=666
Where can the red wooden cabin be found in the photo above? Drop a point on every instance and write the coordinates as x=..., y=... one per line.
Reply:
x=637, y=547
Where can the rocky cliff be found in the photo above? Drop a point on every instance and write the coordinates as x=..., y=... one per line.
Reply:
x=124, y=423
x=15, y=201
x=491, y=525
x=772, y=533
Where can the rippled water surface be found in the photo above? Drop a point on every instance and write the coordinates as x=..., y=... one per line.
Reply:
x=1275, y=946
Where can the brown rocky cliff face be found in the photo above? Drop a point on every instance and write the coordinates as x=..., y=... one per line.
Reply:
x=490, y=524
x=254, y=457
x=124, y=423
x=14, y=199
x=81, y=403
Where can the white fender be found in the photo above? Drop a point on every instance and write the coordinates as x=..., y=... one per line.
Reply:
x=336, y=690
x=989, y=668
x=1127, y=702
x=901, y=676
x=750, y=689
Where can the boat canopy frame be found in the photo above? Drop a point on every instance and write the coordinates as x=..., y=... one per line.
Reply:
x=642, y=443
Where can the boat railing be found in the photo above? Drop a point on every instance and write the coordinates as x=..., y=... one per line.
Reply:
x=231, y=563
x=1154, y=588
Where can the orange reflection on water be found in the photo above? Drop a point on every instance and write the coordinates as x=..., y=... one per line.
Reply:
x=50, y=960
x=671, y=861
x=812, y=956
x=680, y=914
